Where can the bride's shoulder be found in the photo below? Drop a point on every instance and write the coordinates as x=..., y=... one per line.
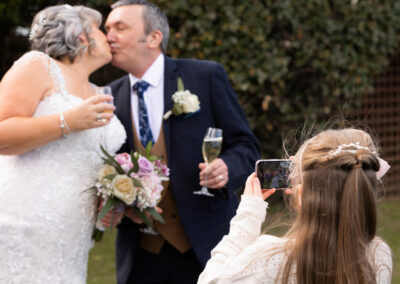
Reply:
x=32, y=69
x=33, y=57
x=35, y=63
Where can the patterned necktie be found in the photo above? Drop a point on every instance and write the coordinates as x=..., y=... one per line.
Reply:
x=144, y=127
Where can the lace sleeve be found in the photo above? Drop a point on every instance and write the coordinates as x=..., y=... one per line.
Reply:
x=383, y=261
x=51, y=66
x=32, y=56
x=245, y=228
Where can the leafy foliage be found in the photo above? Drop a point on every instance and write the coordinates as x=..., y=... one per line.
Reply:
x=289, y=61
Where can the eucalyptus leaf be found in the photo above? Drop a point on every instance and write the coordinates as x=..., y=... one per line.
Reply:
x=142, y=216
x=110, y=176
x=148, y=148
x=153, y=212
x=111, y=201
x=135, y=163
x=137, y=183
x=153, y=158
x=113, y=162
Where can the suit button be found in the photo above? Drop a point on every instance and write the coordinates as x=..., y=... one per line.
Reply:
x=173, y=216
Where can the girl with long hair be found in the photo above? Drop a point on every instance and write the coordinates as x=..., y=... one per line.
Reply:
x=333, y=238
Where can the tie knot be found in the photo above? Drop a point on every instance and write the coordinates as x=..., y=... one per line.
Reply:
x=140, y=87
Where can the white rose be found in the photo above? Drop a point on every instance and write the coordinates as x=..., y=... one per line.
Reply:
x=106, y=170
x=124, y=189
x=191, y=104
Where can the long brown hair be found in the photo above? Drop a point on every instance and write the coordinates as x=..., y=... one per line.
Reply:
x=336, y=210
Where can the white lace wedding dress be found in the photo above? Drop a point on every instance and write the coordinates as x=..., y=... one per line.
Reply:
x=46, y=216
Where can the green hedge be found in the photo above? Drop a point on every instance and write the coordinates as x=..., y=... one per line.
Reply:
x=289, y=60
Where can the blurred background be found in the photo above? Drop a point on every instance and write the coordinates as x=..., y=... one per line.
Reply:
x=297, y=67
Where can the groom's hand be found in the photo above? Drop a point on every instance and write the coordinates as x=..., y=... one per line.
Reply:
x=135, y=218
x=216, y=173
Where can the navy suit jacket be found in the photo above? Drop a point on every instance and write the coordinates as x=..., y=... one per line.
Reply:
x=205, y=219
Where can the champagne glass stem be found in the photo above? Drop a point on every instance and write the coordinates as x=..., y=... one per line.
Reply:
x=204, y=189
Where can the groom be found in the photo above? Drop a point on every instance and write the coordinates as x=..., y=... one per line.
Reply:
x=137, y=32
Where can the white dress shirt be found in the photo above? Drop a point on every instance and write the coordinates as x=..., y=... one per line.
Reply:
x=153, y=96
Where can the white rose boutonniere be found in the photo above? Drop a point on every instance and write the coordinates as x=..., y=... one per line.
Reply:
x=184, y=102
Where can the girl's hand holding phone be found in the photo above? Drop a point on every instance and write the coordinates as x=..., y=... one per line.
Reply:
x=253, y=187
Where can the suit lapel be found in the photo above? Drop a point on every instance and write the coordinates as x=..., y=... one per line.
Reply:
x=170, y=87
x=124, y=111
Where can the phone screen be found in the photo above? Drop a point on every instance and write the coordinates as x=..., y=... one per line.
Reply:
x=273, y=173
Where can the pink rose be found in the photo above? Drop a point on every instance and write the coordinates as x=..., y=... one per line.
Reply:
x=145, y=166
x=163, y=168
x=124, y=159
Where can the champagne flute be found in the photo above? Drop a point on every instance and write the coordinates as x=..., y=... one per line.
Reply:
x=211, y=149
x=105, y=90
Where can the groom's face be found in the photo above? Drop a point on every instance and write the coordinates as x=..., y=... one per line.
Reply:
x=126, y=36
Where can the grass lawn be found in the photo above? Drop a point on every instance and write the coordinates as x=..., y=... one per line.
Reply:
x=389, y=230
x=101, y=268
x=102, y=259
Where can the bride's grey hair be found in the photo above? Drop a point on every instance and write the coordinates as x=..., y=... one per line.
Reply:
x=55, y=30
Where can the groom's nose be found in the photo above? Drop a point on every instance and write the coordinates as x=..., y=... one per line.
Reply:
x=110, y=36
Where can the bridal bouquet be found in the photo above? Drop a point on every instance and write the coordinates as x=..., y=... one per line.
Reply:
x=133, y=180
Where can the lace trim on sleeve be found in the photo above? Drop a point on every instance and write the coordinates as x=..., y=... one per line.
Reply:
x=51, y=66
x=381, y=256
x=33, y=56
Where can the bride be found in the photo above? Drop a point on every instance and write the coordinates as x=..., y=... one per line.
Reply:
x=51, y=125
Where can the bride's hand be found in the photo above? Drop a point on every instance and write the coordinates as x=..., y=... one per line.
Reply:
x=92, y=112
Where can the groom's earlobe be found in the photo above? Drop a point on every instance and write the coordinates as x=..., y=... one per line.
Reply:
x=154, y=39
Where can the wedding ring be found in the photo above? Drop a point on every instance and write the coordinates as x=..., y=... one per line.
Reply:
x=98, y=116
x=221, y=177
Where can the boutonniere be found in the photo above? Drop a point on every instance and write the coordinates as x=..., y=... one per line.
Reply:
x=184, y=102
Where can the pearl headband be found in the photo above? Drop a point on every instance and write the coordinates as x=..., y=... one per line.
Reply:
x=383, y=165
x=349, y=148
x=37, y=27
x=353, y=148
x=41, y=22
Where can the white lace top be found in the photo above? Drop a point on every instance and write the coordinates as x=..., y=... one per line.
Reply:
x=245, y=256
x=46, y=213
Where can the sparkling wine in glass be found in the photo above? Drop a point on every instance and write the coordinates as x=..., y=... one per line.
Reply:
x=105, y=90
x=211, y=149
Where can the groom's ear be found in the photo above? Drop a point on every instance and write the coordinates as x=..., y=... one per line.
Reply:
x=154, y=39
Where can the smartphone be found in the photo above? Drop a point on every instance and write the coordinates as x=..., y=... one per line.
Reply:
x=273, y=173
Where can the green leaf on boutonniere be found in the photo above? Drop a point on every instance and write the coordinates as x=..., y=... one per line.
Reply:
x=177, y=109
x=180, y=86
